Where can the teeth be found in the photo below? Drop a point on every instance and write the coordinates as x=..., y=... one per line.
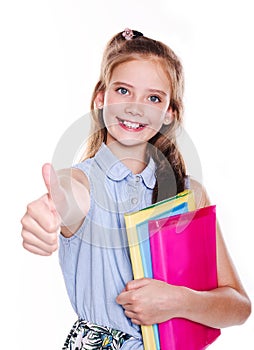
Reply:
x=132, y=125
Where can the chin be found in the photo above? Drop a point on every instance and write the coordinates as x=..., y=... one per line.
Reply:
x=132, y=142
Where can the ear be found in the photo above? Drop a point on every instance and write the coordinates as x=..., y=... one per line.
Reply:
x=169, y=116
x=99, y=100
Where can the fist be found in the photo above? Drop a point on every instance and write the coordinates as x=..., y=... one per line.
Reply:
x=41, y=222
x=40, y=227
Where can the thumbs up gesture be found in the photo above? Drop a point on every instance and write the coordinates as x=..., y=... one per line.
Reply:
x=65, y=206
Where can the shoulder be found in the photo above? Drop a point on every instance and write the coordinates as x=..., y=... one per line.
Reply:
x=80, y=172
x=74, y=175
x=80, y=176
x=200, y=194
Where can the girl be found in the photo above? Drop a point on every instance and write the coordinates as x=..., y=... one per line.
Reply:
x=131, y=161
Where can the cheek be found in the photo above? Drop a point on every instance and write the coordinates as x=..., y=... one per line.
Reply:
x=157, y=116
x=113, y=110
x=112, y=97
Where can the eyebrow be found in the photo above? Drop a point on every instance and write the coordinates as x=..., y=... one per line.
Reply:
x=131, y=86
x=158, y=91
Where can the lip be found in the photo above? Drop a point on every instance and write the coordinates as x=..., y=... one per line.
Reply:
x=130, y=125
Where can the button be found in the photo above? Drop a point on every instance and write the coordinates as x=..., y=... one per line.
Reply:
x=134, y=200
x=137, y=179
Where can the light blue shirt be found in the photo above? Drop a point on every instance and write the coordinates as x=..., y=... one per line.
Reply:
x=95, y=261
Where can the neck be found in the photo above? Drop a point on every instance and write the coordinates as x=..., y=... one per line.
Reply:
x=133, y=157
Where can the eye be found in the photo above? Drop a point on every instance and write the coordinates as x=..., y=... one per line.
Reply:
x=154, y=99
x=122, y=91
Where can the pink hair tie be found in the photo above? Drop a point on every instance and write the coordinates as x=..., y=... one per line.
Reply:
x=128, y=34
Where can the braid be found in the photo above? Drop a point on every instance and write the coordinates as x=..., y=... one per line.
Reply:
x=170, y=168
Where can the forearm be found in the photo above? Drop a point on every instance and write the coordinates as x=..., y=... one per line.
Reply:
x=77, y=201
x=218, y=308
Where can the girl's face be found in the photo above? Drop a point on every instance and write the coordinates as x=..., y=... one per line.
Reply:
x=136, y=102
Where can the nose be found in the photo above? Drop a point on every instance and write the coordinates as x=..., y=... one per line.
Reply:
x=134, y=109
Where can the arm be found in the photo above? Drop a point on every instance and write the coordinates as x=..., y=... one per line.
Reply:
x=226, y=305
x=63, y=207
x=147, y=301
x=76, y=188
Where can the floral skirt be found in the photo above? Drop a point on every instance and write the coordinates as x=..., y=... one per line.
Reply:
x=88, y=336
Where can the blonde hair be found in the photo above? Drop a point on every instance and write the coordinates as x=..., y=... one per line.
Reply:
x=164, y=151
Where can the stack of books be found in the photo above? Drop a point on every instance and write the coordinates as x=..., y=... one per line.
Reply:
x=174, y=242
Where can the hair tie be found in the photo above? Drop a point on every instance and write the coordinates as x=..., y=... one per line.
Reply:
x=129, y=34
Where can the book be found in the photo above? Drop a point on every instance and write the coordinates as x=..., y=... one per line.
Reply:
x=143, y=236
x=183, y=251
x=150, y=333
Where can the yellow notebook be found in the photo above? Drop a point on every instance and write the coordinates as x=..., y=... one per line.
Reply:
x=150, y=338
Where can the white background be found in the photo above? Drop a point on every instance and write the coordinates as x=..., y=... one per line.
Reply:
x=49, y=63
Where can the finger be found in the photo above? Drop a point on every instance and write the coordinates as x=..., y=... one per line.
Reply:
x=128, y=307
x=31, y=242
x=36, y=250
x=40, y=211
x=52, y=184
x=127, y=299
x=123, y=298
x=135, y=321
x=138, y=283
x=49, y=176
x=133, y=317
x=31, y=226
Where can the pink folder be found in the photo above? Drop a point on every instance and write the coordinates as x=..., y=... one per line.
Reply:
x=183, y=251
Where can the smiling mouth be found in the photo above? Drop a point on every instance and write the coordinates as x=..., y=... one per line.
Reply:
x=130, y=125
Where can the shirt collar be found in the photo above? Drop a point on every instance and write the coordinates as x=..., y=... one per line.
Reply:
x=117, y=171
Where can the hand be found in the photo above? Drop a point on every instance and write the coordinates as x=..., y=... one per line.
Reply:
x=41, y=222
x=148, y=301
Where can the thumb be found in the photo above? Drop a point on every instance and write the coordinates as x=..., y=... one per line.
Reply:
x=47, y=171
x=55, y=191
